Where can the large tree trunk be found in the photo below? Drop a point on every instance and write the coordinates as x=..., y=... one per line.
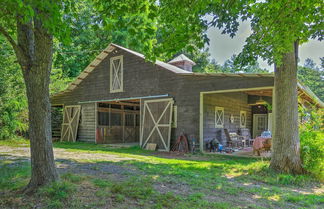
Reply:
x=286, y=145
x=36, y=65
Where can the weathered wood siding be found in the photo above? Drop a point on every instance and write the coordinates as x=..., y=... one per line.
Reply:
x=86, y=130
x=142, y=78
x=232, y=103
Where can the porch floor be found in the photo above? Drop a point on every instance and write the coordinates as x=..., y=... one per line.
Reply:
x=125, y=145
x=245, y=152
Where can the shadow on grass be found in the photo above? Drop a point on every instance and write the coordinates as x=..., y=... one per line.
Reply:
x=209, y=181
x=136, y=150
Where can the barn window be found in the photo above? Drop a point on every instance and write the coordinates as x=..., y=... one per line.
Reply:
x=130, y=120
x=103, y=118
x=116, y=119
x=219, y=117
x=174, y=117
x=116, y=74
x=242, y=119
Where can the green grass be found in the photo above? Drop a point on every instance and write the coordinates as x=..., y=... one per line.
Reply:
x=13, y=175
x=17, y=142
x=154, y=181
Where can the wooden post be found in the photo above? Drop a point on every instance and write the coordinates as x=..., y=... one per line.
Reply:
x=96, y=120
x=201, y=122
x=273, y=111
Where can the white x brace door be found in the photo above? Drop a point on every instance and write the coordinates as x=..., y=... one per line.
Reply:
x=156, y=124
x=71, y=117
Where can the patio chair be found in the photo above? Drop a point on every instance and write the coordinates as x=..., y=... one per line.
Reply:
x=245, y=136
x=232, y=139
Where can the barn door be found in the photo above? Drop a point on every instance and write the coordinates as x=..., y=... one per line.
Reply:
x=71, y=117
x=156, y=125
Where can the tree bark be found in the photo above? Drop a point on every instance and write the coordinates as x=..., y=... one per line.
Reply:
x=285, y=144
x=37, y=44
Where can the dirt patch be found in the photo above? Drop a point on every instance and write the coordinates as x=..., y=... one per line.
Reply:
x=176, y=188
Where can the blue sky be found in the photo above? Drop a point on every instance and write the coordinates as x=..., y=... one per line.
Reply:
x=222, y=46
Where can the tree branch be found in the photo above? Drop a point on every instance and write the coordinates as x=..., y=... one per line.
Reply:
x=10, y=39
x=17, y=49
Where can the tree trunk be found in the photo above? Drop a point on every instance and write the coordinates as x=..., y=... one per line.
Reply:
x=285, y=144
x=36, y=65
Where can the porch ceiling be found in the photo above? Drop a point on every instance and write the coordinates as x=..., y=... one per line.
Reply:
x=301, y=94
x=265, y=92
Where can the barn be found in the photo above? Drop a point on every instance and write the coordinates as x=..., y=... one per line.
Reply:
x=121, y=98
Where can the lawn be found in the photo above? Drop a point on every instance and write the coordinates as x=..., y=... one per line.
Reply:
x=98, y=176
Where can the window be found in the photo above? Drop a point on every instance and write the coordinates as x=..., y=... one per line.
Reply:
x=242, y=119
x=174, y=117
x=130, y=120
x=115, y=119
x=219, y=117
x=116, y=74
x=103, y=118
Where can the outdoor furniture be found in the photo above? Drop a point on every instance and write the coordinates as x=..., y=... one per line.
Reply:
x=232, y=139
x=245, y=136
x=261, y=144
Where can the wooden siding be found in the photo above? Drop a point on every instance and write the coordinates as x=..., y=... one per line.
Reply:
x=143, y=78
x=232, y=103
x=86, y=130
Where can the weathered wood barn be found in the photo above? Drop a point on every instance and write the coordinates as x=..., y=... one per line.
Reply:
x=122, y=98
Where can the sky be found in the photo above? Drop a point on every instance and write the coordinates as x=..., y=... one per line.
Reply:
x=222, y=46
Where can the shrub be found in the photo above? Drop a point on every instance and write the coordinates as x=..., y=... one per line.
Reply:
x=312, y=144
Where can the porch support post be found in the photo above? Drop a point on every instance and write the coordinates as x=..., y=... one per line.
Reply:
x=273, y=111
x=201, y=122
x=96, y=120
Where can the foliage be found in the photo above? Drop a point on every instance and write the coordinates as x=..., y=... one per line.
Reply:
x=311, y=141
x=230, y=66
x=59, y=81
x=13, y=113
x=133, y=22
x=86, y=41
x=313, y=77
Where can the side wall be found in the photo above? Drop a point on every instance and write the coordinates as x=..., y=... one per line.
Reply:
x=232, y=103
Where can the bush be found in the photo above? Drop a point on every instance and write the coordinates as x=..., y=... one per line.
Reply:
x=312, y=144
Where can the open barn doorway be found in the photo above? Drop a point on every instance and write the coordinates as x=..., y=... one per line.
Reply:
x=56, y=121
x=118, y=122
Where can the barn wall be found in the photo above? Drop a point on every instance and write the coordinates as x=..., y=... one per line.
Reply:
x=188, y=101
x=142, y=79
x=86, y=130
x=232, y=103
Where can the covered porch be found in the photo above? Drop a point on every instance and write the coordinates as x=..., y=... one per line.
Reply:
x=233, y=118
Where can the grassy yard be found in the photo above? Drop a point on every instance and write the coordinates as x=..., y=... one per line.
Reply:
x=97, y=176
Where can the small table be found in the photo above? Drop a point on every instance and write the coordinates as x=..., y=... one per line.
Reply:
x=258, y=142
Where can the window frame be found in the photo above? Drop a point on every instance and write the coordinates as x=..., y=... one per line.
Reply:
x=222, y=117
x=121, y=79
x=244, y=113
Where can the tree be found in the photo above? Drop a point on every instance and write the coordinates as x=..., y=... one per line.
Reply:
x=278, y=27
x=29, y=26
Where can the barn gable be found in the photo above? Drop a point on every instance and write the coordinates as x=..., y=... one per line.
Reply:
x=107, y=53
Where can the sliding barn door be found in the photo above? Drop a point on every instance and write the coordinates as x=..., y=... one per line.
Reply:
x=156, y=124
x=71, y=117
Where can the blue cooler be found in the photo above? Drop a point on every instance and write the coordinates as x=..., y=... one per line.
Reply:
x=220, y=148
